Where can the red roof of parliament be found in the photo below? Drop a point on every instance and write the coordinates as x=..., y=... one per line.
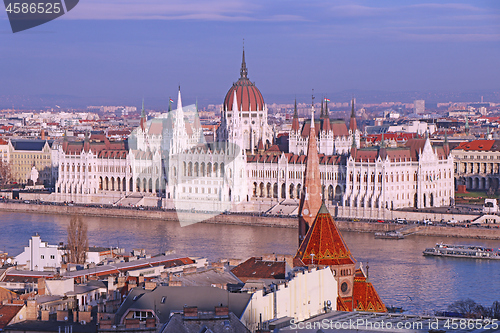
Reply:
x=247, y=94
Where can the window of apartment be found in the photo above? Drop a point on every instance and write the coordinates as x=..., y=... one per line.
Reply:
x=52, y=257
x=42, y=256
x=141, y=315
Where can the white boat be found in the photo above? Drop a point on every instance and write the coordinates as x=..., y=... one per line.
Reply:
x=462, y=251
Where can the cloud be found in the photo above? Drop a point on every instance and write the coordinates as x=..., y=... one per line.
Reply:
x=446, y=6
x=203, y=10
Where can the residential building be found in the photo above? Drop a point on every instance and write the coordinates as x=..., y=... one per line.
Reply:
x=306, y=294
x=39, y=256
x=26, y=155
x=93, y=169
x=158, y=304
x=4, y=151
x=218, y=321
x=477, y=164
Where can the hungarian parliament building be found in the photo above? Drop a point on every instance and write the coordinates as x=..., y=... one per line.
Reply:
x=166, y=160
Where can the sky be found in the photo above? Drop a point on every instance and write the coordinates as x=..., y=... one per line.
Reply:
x=120, y=51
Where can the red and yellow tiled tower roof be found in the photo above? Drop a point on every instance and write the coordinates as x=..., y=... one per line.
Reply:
x=323, y=243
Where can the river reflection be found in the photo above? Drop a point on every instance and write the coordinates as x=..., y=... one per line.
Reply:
x=397, y=268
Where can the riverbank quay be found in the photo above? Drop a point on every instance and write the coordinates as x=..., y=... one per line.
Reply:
x=244, y=219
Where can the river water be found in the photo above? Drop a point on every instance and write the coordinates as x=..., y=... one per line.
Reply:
x=398, y=270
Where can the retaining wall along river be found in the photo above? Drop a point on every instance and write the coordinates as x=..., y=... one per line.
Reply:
x=245, y=219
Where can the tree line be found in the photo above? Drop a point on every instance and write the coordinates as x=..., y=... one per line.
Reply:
x=468, y=308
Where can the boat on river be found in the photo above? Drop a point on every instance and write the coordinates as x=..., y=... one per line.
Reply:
x=462, y=251
x=389, y=235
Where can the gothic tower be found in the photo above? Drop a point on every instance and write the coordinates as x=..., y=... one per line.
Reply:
x=310, y=199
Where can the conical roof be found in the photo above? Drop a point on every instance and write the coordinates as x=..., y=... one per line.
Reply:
x=310, y=198
x=352, y=123
x=323, y=243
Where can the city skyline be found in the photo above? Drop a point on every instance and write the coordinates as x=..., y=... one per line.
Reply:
x=104, y=52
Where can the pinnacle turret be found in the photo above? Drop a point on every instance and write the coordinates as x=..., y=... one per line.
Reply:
x=243, y=70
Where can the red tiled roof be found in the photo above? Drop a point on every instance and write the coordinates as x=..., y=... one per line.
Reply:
x=104, y=149
x=416, y=146
x=339, y=128
x=156, y=128
x=364, y=296
x=477, y=145
x=274, y=148
x=247, y=96
x=256, y=268
x=324, y=241
x=8, y=312
x=398, y=137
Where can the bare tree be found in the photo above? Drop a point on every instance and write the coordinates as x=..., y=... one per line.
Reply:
x=468, y=308
x=78, y=241
x=495, y=310
x=5, y=172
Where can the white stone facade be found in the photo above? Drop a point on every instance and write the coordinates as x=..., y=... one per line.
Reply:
x=398, y=180
x=39, y=256
x=307, y=294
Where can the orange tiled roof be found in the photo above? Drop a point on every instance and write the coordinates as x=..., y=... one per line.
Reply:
x=481, y=145
x=324, y=241
x=364, y=296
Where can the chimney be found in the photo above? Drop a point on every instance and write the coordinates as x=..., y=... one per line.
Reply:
x=219, y=266
x=189, y=270
x=149, y=285
x=221, y=311
x=31, y=310
x=111, y=283
x=41, y=286
x=190, y=311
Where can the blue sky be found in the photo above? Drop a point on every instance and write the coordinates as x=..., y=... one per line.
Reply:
x=129, y=49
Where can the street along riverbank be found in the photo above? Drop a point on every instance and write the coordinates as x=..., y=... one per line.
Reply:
x=244, y=219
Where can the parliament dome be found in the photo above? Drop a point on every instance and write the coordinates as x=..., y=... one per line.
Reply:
x=247, y=94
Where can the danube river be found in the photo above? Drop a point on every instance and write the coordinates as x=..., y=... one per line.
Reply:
x=399, y=272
